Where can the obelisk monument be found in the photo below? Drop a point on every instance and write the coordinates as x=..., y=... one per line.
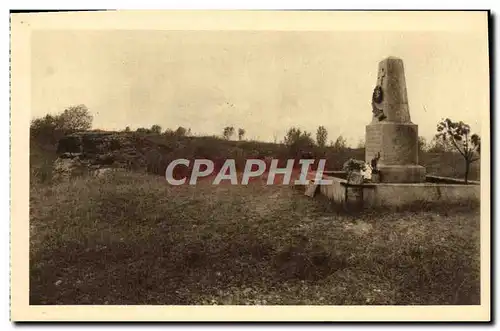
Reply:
x=391, y=132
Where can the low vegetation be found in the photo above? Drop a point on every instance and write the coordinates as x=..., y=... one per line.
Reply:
x=152, y=150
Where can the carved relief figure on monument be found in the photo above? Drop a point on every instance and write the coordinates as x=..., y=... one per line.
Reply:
x=375, y=171
x=377, y=97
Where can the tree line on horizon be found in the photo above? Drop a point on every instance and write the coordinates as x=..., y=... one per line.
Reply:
x=451, y=136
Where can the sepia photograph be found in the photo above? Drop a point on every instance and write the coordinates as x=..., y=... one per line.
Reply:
x=282, y=165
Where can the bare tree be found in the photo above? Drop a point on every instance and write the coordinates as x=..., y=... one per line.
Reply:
x=467, y=144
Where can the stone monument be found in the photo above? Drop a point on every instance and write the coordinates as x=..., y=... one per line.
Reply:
x=391, y=132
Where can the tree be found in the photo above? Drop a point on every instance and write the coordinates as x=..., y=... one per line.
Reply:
x=422, y=144
x=466, y=143
x=292, y=136
x=298, y=142
x=155, y=129
x=169, y=132
x=51, y=128
x=340, y=143
x=438, y=145
x=45, y=129
x=40, y=125
x=75, y=118
x=228, y=132
x=127, y=129
x=241, y=133
x=181, y=131
x=321, y=136
x=143, y=130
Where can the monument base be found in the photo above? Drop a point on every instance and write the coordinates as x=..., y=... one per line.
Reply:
x=397, y=143
x=402, y=174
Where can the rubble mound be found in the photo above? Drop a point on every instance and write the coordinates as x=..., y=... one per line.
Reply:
x=99, y=153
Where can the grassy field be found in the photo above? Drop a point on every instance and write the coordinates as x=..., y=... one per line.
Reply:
x=131, y=239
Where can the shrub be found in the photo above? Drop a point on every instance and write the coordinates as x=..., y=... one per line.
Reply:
x=298, y=142
x=51, y=128
x=155, y=129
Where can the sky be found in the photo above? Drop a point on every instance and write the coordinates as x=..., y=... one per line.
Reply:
x=262, y=81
